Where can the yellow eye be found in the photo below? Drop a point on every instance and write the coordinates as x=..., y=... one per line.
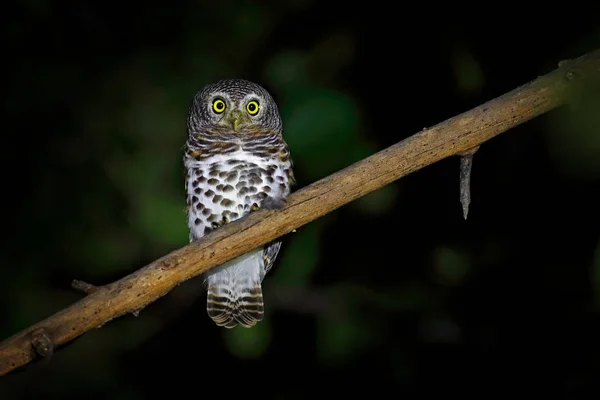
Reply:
x=218, y=106
x=252, y=107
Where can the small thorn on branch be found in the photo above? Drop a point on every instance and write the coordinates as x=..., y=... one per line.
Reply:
x=42, y=344
x=466, y=164
x=84, y=286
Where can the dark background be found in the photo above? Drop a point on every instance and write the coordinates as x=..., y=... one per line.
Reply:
x=394, y=291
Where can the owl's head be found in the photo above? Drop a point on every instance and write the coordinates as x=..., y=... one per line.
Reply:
x=235, y=105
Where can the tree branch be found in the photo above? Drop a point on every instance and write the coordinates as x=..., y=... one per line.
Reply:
x=454, y=136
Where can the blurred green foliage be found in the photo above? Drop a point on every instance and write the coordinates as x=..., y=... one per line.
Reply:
x=451, y=267
x=574, y=133
x=324, y=129
x=338, y=337
x=249, y=343
x=301, y=256
x=468, y=73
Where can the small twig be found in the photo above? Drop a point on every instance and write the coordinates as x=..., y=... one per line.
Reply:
x=466, y=164
x=453, y=136
x=84, y=286
x=42, y=343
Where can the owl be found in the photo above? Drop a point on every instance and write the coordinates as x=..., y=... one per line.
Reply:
x=236, y=162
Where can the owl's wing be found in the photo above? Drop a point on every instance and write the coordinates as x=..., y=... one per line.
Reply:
x=272, y=249
x=270, y=254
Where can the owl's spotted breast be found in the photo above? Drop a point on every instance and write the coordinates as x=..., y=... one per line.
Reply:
x=221, y=189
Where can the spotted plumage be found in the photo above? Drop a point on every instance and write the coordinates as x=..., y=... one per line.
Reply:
x=236, y=162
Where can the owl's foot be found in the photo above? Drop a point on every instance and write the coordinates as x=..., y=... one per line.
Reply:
x=224, y=221
x=273, y=203
x=266, y=259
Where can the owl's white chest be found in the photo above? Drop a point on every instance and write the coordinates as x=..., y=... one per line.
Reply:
x=223, y=188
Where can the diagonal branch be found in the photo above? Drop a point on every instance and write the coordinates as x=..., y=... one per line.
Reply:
x=454, y=136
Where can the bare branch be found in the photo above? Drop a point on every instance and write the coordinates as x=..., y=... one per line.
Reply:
x=456, y=135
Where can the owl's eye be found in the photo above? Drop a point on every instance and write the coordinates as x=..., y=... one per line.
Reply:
x=252, y=107
x=218, y=106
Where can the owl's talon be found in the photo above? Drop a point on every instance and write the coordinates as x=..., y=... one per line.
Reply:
x=254, y=207
x=273, y=203
x=224, y=220
x=215, y=225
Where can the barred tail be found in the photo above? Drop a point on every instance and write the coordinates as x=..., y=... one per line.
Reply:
x=227, y=307
x=249, y=306
x=219, y=305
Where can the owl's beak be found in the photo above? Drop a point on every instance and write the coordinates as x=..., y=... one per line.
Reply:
x=236, y=119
